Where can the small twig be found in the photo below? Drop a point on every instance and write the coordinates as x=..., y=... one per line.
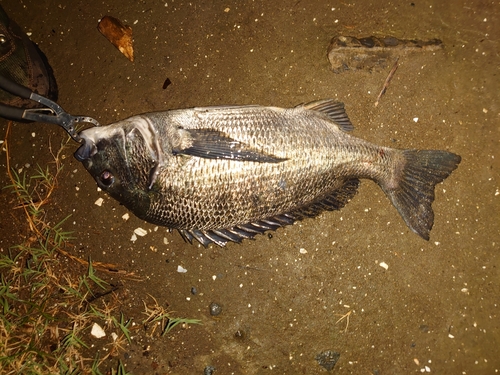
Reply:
x=247, y=267
x=387, y=80
x=346, y=317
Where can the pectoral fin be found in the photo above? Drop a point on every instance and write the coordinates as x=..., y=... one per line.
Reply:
x=212, y=144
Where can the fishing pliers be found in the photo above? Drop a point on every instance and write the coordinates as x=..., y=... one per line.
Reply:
x=51, y=113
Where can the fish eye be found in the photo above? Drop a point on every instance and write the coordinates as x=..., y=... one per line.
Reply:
x=107, y=178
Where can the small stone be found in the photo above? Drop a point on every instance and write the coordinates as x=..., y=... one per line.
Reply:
x=215, y=309
x=328, y=359
x=99, y=202
x=97, y=331
x=181, y=269
x=140, y=232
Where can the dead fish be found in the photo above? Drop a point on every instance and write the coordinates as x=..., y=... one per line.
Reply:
x=219, y=174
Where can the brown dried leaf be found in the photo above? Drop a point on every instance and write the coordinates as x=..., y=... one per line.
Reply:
x=118, y=34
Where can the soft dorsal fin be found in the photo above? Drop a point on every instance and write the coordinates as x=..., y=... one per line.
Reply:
x=334, y=110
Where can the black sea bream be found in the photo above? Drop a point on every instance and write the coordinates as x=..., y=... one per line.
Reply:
x=220, y=174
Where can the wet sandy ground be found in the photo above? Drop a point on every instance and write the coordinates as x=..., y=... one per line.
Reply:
x=434, y=308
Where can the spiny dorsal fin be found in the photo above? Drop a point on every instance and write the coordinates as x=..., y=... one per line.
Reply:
x=334, y=110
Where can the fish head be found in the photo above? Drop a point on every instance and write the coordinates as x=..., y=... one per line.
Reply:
x=123, y=160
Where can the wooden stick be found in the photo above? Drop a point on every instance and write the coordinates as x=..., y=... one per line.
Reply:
x=387, y=80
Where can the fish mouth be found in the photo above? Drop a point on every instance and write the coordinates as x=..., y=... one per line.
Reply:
x=91, y=138
x=86, y=150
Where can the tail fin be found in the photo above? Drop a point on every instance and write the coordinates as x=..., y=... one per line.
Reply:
x=414, y=194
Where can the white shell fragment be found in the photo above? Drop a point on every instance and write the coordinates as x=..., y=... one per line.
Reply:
x=114, y=336
x=181, y=269
x=383, y=265
x=140, y=232
x=97, y=331
x=126, y=216
x=99, y=202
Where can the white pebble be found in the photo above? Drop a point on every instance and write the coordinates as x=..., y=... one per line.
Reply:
x=126, y=216
x=133, y=238
x=383, y=265
x=451, y=336
x=140, y=232
x=114, y=336
x=97, y=331
x=302, y=250
x=181, y=269
x=99, y=202
x=415, y=119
